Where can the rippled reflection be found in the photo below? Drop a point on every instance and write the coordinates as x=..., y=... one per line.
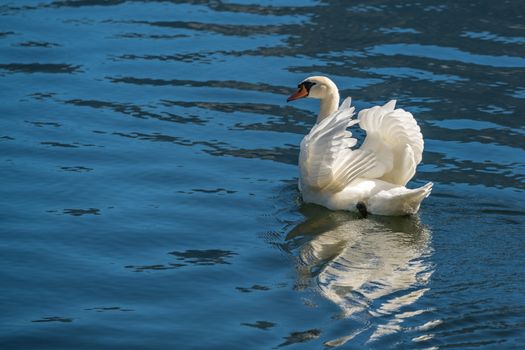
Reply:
x=371, y=268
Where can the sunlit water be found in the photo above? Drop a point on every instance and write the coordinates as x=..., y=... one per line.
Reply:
x=148, y=170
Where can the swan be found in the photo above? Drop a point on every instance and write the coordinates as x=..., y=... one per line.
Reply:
x=370, y=179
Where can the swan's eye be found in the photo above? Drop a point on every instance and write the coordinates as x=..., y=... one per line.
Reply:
x=308, y=85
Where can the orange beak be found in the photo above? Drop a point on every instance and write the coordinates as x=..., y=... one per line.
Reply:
x=300, y=93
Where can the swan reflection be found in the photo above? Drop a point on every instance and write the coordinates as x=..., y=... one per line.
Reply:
x=372, y=268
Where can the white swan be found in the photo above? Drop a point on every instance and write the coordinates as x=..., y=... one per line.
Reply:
x=370, y=179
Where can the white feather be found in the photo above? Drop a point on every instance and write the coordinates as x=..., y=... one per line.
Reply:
x=326, y=158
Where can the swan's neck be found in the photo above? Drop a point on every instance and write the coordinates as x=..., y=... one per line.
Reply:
x=329, y=105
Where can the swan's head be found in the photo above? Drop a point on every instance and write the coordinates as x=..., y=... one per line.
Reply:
x=314, y=87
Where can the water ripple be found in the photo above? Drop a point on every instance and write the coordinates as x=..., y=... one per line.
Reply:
x=447, y=54
x=41, y=68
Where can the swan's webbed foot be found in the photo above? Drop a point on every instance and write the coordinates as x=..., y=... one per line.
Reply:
x=361, y=208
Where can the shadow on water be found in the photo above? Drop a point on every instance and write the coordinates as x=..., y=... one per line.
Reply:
x=40, y=68
x=374, y=269
x=189, y=257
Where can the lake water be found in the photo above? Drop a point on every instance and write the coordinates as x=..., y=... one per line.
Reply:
x=148, y=166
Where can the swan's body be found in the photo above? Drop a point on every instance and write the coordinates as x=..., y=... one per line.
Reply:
x=336, y=176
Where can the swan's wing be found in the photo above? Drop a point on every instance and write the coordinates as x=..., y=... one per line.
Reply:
x=395, y=139
x=326, y=158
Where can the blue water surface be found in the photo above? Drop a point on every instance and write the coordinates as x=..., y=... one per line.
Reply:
x=148, y=166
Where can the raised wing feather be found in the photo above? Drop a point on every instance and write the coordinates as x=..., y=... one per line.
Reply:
x=395, y=139
x=326, y=159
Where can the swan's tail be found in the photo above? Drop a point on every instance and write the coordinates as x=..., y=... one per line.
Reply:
x=399, y=200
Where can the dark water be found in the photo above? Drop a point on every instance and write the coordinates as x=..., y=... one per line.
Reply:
x=148, y=170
